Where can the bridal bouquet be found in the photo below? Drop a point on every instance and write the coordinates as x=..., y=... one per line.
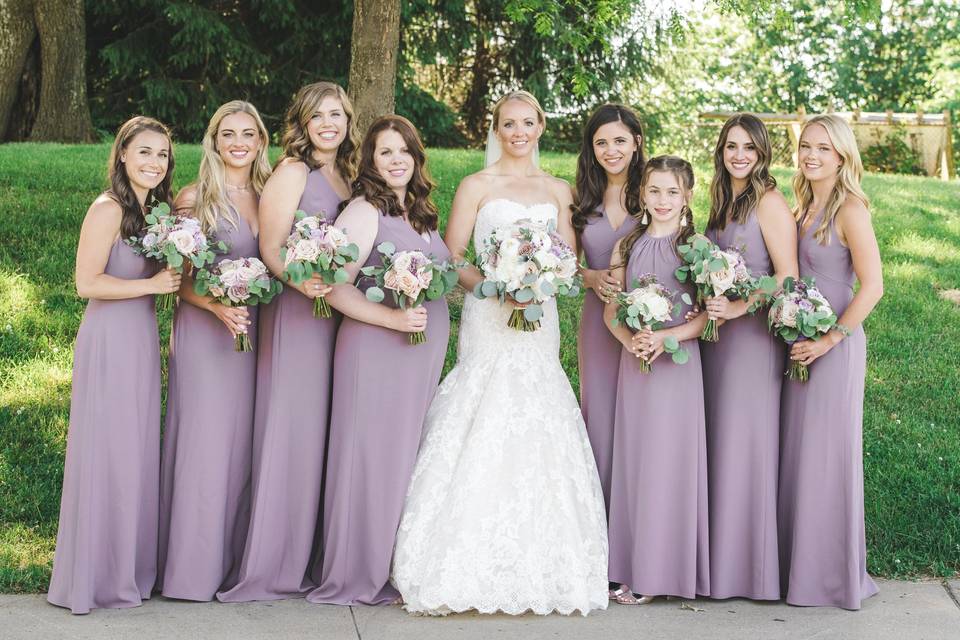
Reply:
x=529, y=262
x=800, y=312
x=172, y=239
x=413, y=277
x=238, y=283
x=718, y=272
x=316, y=247
x=647, y=306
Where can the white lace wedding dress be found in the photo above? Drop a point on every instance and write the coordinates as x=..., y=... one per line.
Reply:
x=504, y=511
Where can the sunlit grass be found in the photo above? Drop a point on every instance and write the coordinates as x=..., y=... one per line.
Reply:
x=911, y=412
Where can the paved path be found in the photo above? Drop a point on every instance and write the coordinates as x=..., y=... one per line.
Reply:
x=901, y=611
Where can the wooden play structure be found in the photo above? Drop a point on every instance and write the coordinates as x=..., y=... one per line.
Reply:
x=927, y=134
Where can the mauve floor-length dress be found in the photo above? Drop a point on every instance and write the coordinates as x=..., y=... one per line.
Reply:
x=823, y=554
x=106, y=555
x=382, y=389
x=294, y=377
x=659, y=542
x=205, y=466
x=742, y=375
x=598, y=351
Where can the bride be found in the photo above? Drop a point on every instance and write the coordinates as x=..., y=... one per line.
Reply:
x=504, y=510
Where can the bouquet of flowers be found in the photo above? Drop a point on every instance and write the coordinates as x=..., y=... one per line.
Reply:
x=800, y=312
x=718, y=272
x=238, y=283
x=316, y=247
x=172, y=239
x=412, y=277
x=529, y=262
x=647, y=306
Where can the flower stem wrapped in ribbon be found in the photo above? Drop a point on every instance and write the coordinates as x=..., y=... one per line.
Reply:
x=800, y=312
x=238, y=283
x=718, y=272
x=173, y=240
x=648, y=305
x=412, y=277
x=529, y=262
x=316, y=247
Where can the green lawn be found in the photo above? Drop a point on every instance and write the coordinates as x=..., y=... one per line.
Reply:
x=911, y=415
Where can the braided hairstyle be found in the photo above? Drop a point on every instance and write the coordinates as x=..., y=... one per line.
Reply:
x=683, y=172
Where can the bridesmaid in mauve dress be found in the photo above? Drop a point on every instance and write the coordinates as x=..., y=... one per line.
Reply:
x=658, y=495
x=205, y=467
x=606, y=209
x=106, y=553
x=295, y=356
x=382, y=384
x=743, y=371
x=822, y=543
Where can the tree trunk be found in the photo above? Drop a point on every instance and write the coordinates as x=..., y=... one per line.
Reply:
x=374, y=49
x=476, y=105
x=17, y=32
x=64, y=114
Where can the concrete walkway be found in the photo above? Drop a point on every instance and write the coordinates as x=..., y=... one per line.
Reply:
x=901, y=611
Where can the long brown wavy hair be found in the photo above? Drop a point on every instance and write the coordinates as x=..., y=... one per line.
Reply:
x=370, y=185
x=683, y=172
x=121, y=191
x=296, y=141
x=592, y=178
x=723, y=205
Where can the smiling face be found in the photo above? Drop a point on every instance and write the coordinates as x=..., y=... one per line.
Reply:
x=328, y=125
x=740, y=154
x=614, y=147
x=145, y=159
x=238, y=140
x=518, y=128
x=818, y=158
x=664, y=197
x=393, y=159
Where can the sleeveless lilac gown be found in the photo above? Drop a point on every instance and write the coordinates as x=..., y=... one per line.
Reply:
x=382, y=389
x=597, y=350
x=106, y=555
x=205, y=468
x=658, y=492
x=823, y=556
x=742, y=374
x=294, y=361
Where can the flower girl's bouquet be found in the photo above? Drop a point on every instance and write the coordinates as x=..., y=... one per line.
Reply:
x=172, y=240
x=316, y=247
x=800, y=312
x=718, y=272
x=647, y=306
x=529, y=262
x=413, y=277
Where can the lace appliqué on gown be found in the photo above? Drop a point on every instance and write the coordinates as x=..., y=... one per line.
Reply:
x=504, y=511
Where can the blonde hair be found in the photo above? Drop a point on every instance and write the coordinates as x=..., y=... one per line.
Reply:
x=522, y=96
x=296, y=141
x=211, y=201
x=848, y=177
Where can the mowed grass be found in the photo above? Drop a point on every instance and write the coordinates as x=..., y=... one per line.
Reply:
x=911, y=412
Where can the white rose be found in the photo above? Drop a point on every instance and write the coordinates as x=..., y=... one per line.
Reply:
x=183, y=240
x=246, y=273
x=658, y=307
x=306, y=250
x=788, y=313
x=722, y=280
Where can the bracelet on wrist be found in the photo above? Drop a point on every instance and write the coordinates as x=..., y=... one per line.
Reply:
x=844, y=329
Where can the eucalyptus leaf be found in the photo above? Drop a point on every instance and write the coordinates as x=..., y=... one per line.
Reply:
x=681, y=356
x=387, y=248
x=533, y=313
x=375, y=294
x=671, y=344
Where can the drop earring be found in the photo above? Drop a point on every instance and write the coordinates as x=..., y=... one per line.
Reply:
x=646, y=217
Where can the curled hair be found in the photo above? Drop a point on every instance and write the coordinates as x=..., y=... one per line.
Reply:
x=370, y=185
x=211, y=199
x=522, y=96
x=296, y=141
x=592, y=178
x=121, y=191
x=848, y=178
x=723, y=204
x=683, y=172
